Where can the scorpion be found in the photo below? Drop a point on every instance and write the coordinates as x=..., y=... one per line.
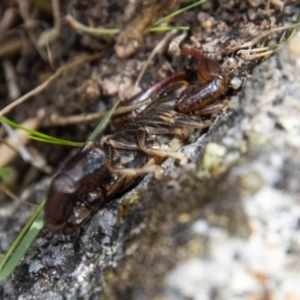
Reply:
x=110, y=165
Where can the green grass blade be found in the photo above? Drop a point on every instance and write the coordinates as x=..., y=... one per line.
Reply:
x=17, y=126
x=168, y=28
x=57, y=141
x=22, y=243
x=177, y=12
x=39, y=136
x=103, y=123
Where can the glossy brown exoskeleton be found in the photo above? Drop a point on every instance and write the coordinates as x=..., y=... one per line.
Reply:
x=108, y=166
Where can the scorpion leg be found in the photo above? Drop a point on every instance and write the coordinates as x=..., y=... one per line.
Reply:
x=111, y=145
x=134, y=172
x=164, y=130
x=119, y=144
x=190, y=121
x=174, y=145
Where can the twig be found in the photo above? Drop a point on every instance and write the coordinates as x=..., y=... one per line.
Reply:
x=8, y=17
x=11, y=81
x=174, y=46
x=256, y=40
x=10, y=194
x=255, y=53
x=156, y=50
x=24, y=9
x=278, y=4
x=54, y=33
x=79, y=27
x=41, y=87
x=63, y=121
x=11, y=47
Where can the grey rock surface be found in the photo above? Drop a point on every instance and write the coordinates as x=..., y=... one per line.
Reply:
x=266, y=133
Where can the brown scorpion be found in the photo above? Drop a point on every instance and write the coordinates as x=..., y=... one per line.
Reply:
x=108, y=166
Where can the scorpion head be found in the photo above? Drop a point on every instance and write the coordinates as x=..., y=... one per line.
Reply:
x=77, y=191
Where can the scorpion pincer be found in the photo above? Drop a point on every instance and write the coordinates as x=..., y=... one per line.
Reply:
x=110, y=165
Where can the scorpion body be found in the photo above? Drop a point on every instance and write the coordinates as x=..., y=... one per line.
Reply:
x=105, y=167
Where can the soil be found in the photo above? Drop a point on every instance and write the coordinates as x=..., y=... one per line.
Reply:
x=108, y=258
